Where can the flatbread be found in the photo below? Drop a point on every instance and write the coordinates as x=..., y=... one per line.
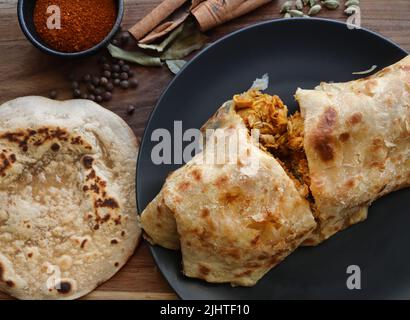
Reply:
x=68, y=217
x=234, y=221
x=357, y=143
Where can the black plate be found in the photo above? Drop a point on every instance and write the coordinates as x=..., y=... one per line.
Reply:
x=295, y=53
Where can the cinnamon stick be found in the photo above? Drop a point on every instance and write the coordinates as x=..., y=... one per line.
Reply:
x=155, y=17
x=212, y=13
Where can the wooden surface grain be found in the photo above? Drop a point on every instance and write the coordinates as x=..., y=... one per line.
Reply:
x=26, y=71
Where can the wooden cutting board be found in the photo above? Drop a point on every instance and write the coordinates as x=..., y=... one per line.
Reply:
x=26, y=71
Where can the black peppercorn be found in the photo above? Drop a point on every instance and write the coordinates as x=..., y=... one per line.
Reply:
x=116, y=68
x=130, y=109
x=53, y=94
x=107, y=74
x=109, y=86
x=133, y=83
x=107, y=96
x=96, y=81
x=103, y=81
x=76, y=93
x=124, y=84
x=87, y=78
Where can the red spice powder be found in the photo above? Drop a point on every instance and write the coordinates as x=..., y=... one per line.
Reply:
x=84, y=23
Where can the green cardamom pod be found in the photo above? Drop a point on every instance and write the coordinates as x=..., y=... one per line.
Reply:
x=287, y=15
x=331, y=4
x=286, y=6
x=352, y=3
x=315, y=10
x=305, y=2
x=351, y=10
x=296, y=13
x=299, y=4
x=312, y=3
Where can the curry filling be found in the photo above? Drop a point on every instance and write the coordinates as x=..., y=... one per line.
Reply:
x=281, y=134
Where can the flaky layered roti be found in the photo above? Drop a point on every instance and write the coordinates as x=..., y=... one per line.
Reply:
x=357, y=143
x=232, y=221
x=68, y=217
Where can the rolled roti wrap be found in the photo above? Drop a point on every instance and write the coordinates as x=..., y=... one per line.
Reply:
x=234, y=221
x=357, y=143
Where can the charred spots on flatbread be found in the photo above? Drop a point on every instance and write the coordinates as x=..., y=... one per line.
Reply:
x=203, y=270
x=25, y=138
x=116, y=264
x=114, y=241
x=355, y=118
x=55, y=147
x=323, y=139
x=344, y=137
x=183, y=186
x=205, y=213
x=196, y=174
x=64, y=287
x=221, y=181
x=107, y=203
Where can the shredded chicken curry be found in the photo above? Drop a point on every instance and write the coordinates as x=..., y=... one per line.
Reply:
x=281, y=135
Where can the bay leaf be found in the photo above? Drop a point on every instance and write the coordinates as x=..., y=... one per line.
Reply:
x=189, y=40
x=175, y=65
x=160, y=47
x=134, y=56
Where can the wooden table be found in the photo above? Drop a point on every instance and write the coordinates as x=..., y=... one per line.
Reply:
x=26, y=71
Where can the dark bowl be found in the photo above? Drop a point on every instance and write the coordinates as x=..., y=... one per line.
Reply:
x=25, y=10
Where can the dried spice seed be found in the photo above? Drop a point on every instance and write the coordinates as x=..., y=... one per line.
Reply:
x=107, y=96
x=286, y=6
x=133, y=83
x=98, y=99
x=130, y=109
x=90, y=87
x=124, y=84
x=87, y=78
x=352, y=3
x=125, y=37
x=53, y=94
x=103, y=81
x=98, y=91
x=75, y=85
x=315, y=9
x=331, y=4
x=106, y=67
x=299, y=4
x=109, y=86
x=116, y=68
x=96, y=81
x=117, y=82
x=91, y=97
x=76, y=93
x=131, y=73
x=125, y=68
x=296, y=13
x=124, y=76
x=84, y=96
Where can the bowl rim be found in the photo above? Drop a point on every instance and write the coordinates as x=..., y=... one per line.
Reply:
x=46, y=49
